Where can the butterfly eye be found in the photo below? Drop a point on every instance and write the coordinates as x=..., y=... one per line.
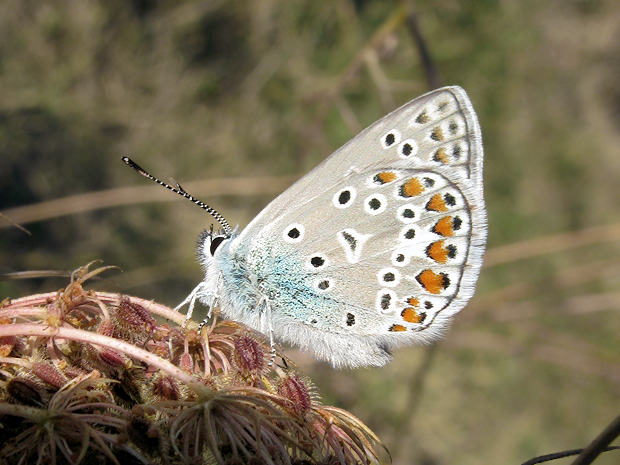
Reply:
x=215, y=243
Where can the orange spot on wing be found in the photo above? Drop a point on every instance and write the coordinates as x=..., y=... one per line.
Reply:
x=411, y=188
x=385, y=177
x=441, y=155
x=413, y=301
x=398, y=328
x=437, y=203
x=438, y=252
x=411, y=316
x=437, y=134
x=432, y=282
x=444, y=227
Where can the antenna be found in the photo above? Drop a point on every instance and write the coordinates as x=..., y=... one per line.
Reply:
x=179, y=190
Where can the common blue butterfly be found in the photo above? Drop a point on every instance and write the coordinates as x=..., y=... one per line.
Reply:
x=377, y=247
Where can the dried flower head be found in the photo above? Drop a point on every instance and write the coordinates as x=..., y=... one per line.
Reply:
x=48, y=373
x=248, y=355
x=86, y=375
x=298, y=391
x=133, y=321
x=26, y=391
x=165, y=387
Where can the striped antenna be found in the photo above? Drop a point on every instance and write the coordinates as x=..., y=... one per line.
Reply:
x=179, y=190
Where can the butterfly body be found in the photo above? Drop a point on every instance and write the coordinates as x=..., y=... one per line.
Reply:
x=377, y=247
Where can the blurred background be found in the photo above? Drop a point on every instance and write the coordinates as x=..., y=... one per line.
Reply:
x=237, y=99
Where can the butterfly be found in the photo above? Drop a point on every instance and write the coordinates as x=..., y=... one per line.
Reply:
x=377, y=247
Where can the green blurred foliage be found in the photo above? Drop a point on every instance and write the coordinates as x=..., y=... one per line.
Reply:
x=221, y=89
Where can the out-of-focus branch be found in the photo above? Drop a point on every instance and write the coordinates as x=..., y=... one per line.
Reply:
x=600, y=443
x=432, y=74
x=132, y=195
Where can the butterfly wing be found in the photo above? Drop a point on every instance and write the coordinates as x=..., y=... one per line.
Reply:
x=380, y=244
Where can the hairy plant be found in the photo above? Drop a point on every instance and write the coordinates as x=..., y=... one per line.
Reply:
x=93, y=377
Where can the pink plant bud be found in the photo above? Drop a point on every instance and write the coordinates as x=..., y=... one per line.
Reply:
x=106, y=328
x=186, y=363
x=134, y=315
x=112, y=358
x=25, y=391
x=74, y=372
x=294, y=389
x=49, y=373
x=166, y=387
x=248, y=356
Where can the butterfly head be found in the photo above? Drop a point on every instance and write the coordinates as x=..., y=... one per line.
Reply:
x=210, y=242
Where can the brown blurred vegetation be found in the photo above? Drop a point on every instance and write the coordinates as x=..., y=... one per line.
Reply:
x=264, y=90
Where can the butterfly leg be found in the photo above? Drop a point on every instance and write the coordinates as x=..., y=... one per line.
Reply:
x=266, y=317
x=191, y=300
x=209, y=313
